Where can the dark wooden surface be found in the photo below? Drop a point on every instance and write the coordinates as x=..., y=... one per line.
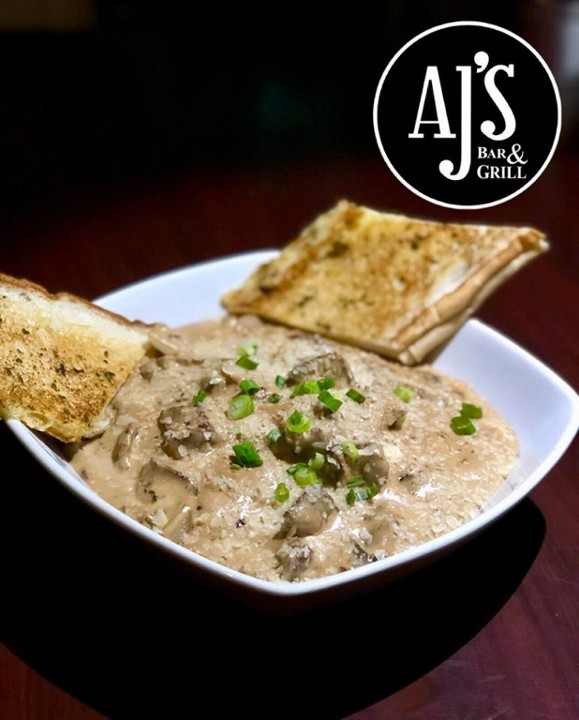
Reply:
x=94, y=625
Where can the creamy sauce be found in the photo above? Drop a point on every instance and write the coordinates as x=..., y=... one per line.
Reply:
x=385, y=473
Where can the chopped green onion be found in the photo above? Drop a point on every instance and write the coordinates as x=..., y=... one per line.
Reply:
x=361, y=493
x=350, y=451
x=240, y=406
x=248, y=348
x=326, y=383
x=244, y=360
x=274, y=435
x=273, y=398
x=404, y=393
x=246, y=363
x=471, y=411
x=313, y=387
x=199, y=397
x=292, y=469
x=355, y=395
x=306, y=476
x=355, y=481
x=249, y=387
x=282, y=493
x=317, y=461
x=462, y=425
x=303, y=475
x=246, y=455
x=310, y=387
x=297, y=422
x=351, y=497
x=329, y=400
x=279, y=381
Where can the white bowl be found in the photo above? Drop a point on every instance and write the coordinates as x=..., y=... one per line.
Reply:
x=541, y=407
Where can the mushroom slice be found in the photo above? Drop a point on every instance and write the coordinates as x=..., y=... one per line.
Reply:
x=185, y=427
x=373, y=463
x=294, y=557
x=165, y=487
x=309, y=514
x=360, y=557
x=330, y=364
x=125, y=448
x=167, y=341
x=181, y=523
x=394, y=414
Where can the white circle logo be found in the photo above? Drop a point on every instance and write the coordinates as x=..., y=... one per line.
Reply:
x=467, y=115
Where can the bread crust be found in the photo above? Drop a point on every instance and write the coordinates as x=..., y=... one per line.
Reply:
x=386, y=282
x=62, y=358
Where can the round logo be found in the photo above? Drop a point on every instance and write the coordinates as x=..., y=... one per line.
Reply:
x=467, y=115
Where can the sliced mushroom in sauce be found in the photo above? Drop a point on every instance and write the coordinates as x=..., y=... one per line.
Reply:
x=329, y=364
x=125, y=450
x=183, y=428
x=313, y=511
x=294, y=556
x=166, y=487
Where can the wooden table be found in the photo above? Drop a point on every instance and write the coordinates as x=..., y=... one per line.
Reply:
x=94, y=625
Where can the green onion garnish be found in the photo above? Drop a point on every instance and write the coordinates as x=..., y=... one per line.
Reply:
x=462, y=425
x=279, y=381
x=240, y=406
x=246, y=363
x=199, y=397
x=350, y=451
x=306, y=476
x=310, y=387
x=317, y=461
x=351, y=497
x=355, y=395
x=249, y=387
x=329, y=400
x=355, y=481
x=361, y=493
x=248, y=348
x=303, y=475
x=274, y=435
x=404, y=393
x=326, y=383
x=246, y=455
x=282, y=493
x=471, y=411
x=297, y=422
x=244, y=360
x=292, y=469
x=313, y=387
x=273, y=398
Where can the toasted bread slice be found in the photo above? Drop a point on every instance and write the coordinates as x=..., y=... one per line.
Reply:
x=388, y=283
x=62, y=359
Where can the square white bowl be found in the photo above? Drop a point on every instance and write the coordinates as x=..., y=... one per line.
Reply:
x=542, y=409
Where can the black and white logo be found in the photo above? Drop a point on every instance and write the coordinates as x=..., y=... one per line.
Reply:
x=467, y=115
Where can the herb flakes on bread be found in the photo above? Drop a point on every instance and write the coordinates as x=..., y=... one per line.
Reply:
x=385, y=282
x=62, y=359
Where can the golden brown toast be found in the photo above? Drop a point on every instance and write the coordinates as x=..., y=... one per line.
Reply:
x=386, y=282
x=62, y=359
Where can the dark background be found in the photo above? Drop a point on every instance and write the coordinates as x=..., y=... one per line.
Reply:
x=129, y=91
